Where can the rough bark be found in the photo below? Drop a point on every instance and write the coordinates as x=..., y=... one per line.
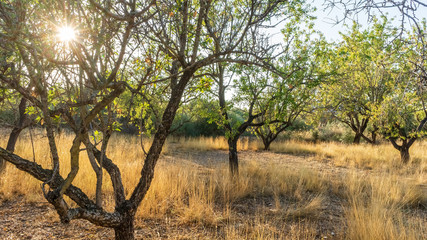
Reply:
x=43, y=175
x=267, y=144
x=407, y=142
x=13, y=138
x=269, y=136
x=404, y=155
x=20, y=125
x=232, y=156
x=98, y=172
x=87, y=208
x=357, y=138
x=403, y=149
x=160, y=136
x=114, y=172
x=374, y=136
x=358, y=127
x=267, y=140
x=265, y=137
x=125, y=231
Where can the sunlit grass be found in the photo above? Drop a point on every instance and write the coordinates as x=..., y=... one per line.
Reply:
x=374, y=204
x=214, y=143
x=364, y=156
x=377, y=207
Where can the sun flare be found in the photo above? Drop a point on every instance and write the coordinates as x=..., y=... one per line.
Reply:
x=66, y=34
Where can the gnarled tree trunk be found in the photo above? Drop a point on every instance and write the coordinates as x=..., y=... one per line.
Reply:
x=404, y=155
x=232, y=156
x=125, y=231
x=357, y=138
x=403, y=148
x=20, y=125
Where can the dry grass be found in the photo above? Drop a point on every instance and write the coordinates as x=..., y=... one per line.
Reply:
x=364, y=156
x=378, y=209
x=215, y=143
x=312, y=209
x=268, y=201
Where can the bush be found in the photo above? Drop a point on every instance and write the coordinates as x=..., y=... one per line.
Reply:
x=7, y=117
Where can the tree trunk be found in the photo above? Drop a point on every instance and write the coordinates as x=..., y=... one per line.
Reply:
x=13, y=138
x=16, y=131
x=126, y=230
x=357, y=138
x=374, y=138
x=403, y=149
x=267, y=140
x=267, y=144
x=404, y=154
x=19, y=125
x=232, y=156
x=374, y=135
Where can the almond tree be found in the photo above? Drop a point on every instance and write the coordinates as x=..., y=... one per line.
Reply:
x=79, y=78
x=22, y=119
x=404, y=127
x=363, y=65
x=250, y=78
x=251, y=86
x=402, y=116
x=292, y=95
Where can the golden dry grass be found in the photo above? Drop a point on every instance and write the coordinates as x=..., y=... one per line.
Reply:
x=214, y=143
x=378, y=207
x=367, y=156
x=268, y=201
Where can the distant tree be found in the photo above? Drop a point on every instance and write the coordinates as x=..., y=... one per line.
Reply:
x=194, y=119
x=249, y=78
x=251, y=86
x=291, y=95
x=409, y=16
x=363, y=66
x=402, y=116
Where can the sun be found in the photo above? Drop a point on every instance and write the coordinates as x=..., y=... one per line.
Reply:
x=66, y=34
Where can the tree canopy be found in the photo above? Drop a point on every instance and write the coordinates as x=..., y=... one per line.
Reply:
x=94, y=65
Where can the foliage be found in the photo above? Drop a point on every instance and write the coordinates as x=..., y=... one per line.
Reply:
x=292, y=93
x=134, y=60
x=363, y=68
x=403, y=114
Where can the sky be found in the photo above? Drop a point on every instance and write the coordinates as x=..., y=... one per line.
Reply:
x=326, y=23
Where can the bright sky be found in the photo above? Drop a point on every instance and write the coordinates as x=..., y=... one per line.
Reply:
x=326, y=20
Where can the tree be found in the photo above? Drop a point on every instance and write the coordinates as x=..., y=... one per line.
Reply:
x=22, y=119
x=408, y=16
x=74, y=80
x=79, y=80
x=248, y=78
x=402, y=116
x=251, y=87
x=408, y=9
x=362, y=64
x=292, y=95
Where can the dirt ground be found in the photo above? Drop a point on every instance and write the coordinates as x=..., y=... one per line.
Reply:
x=23, y=220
